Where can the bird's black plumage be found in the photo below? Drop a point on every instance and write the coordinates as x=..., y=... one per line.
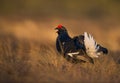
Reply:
x=68, y=44
x=65, y=45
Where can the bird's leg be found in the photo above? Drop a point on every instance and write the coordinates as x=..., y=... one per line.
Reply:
x=72, y=57
x=89, y=58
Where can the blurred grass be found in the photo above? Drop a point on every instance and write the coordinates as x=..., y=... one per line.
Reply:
x=28, y=53
x=30, y=61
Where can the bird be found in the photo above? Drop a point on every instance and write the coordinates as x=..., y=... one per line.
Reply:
x=83, y=45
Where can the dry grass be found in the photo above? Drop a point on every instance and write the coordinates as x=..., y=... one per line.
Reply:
x=28, y=54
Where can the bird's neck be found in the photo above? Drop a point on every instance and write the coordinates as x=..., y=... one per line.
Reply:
x=64, y=37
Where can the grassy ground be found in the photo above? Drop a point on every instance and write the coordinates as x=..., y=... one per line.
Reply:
x=28, y=54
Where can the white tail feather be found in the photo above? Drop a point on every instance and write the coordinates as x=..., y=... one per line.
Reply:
x=90, y=45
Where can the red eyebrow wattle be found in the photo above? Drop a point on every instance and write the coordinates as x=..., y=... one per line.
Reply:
x=59, y=26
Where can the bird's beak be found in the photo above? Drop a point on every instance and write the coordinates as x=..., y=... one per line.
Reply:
x=56, y=28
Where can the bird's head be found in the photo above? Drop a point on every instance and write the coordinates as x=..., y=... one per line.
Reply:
x=60, y=29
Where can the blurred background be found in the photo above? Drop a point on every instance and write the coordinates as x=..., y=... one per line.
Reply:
x=67, y=8
x=27, y=40
x=98, y=17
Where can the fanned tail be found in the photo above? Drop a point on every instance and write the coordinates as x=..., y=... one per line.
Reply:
x=90, y=45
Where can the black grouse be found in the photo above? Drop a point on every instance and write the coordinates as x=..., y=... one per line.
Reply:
x=82, y=45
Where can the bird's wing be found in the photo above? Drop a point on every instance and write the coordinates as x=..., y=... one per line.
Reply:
x=59, y=46
x=79, y=42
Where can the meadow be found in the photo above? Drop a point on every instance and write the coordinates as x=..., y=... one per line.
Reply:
x=28, y=53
